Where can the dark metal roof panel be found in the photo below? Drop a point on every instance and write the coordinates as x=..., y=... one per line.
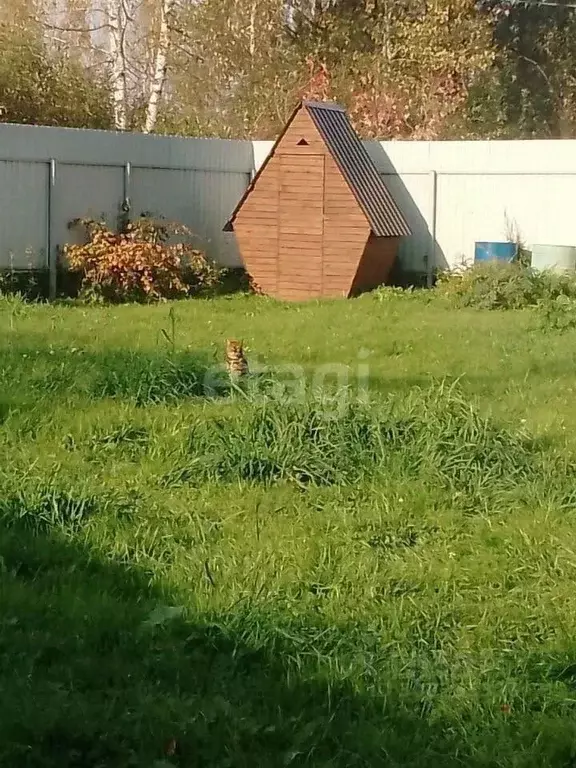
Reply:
x=384, y=216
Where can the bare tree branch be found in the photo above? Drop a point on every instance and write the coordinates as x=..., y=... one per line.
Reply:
x=187, y=52
x=75, y=29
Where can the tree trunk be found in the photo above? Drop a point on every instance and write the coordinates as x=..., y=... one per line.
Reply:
x=116, y=45
x=160, y=67
x=252, y=31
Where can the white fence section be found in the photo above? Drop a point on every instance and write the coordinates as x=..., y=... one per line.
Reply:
x=452, y=193
x=457, y=193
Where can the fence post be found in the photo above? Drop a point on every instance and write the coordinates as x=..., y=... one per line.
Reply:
x=431, y=261
x=50, y=245
x=126, y=204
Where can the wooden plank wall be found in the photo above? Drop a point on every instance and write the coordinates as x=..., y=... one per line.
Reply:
x=345, y=232
x=301, y=225
x=376, y=263
x=302, y=127
x=257, y=230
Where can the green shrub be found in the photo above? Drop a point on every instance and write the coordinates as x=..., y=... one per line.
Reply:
x=390, y=292
x=558, y=314
x=504, y=286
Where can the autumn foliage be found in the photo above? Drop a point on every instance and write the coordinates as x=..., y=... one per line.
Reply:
x=401, y=74
x=139, y=263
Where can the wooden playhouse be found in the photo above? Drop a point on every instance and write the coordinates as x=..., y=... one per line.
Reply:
x=317, y=218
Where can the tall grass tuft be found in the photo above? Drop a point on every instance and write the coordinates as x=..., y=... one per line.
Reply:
x=47, y=508
x=40, y=506
x=147, y=379
x=436, y=435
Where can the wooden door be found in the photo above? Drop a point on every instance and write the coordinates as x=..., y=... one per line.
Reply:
x=301, y=226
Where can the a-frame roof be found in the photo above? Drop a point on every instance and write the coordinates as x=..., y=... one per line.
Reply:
x=355, y=164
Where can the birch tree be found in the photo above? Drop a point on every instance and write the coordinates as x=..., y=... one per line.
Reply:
x=117, y=19
x=126, y=41
x=158, y=79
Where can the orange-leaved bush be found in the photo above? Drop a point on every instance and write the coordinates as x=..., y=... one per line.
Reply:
x=138, y=263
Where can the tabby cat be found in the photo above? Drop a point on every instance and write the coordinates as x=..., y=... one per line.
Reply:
x=236, y=362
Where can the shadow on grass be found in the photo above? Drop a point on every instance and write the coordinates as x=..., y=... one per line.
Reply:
x=143, y=377
x=99, y=669
x=87, y=682
x=95, y=673
x=477, y=383
x=161, y=375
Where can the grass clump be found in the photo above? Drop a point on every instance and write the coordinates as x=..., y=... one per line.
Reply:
x=43, y=505
x=436, y=435
x=126, y=441
x=157, y=378
x=142, y=377
x=47, y=508
x=273, y=442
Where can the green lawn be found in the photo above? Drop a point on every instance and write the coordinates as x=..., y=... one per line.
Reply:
x=259, y=583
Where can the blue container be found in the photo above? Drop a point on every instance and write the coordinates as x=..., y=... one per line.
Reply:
x=505, y=252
